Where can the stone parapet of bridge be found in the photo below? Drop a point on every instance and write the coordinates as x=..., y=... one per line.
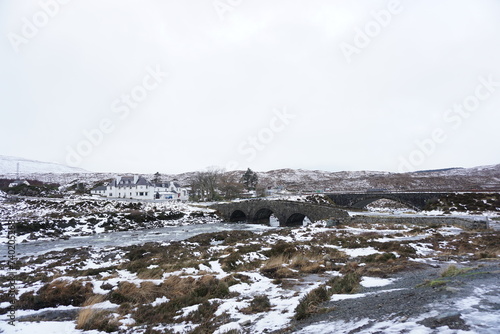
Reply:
x=415, y=200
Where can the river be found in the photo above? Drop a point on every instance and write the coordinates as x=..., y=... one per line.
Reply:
x=127, y=238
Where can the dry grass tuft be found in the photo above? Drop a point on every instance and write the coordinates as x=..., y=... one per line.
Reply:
x=90, y=318
x=56, y=293
x=154, y=273
x=275, y=267
x=298, y=261
x=307, y=265
x=349, y=283
x=452, y=271
x=98, y=319
x=95, y=299
x=177, y=286
x=147, y=292
x=311, y=303
x=258, y=304
x=184, y=292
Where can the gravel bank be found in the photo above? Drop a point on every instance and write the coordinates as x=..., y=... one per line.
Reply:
x=456, y=302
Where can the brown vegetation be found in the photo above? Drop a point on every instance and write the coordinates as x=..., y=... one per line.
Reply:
x=56, y=293
x=258, y=304
x=182, y=292
x=90, y=318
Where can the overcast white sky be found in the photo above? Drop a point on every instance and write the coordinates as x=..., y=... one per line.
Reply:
x=232, y=66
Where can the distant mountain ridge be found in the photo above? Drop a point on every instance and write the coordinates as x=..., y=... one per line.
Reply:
x=437, y=170
x=448, y=179
x=8, y=166
x=452, y=179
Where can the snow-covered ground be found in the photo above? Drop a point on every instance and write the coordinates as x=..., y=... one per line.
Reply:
x=49, y=219
x=479, y=312
x=247, y=263
x=264, y=275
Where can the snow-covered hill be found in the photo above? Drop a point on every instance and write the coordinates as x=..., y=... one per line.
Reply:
x=8, y=166
x=477, y=178
x=450, y=179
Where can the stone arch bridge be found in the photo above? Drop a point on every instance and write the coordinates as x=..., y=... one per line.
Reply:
x=415, y=200
x=288, y=213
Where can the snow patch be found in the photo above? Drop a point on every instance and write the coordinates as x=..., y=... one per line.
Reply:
x=372, y=282
x=355, y=252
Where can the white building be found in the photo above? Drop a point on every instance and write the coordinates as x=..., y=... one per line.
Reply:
x=137, y=187
x=101, y=190
x=18, y=182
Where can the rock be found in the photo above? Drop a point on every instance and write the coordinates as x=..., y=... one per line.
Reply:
x=107, y=286
x=452, y=320
x=57, y=315
x=246, y=323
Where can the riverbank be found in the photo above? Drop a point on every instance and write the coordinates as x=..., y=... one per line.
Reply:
x=451, y=298
x=253, y=281
x=48, y=219
x=42, y=219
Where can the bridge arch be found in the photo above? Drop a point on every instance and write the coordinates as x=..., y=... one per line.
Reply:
x=263, y=216
x=237, y=216
x=296, y=219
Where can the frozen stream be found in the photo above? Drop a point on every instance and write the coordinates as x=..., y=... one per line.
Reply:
x=127, y=238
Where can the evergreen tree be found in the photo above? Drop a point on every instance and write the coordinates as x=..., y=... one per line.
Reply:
x=157, y=178
x=250, y=179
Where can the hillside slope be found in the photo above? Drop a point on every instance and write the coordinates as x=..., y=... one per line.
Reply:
x=453, y=179
x=478, y=178
x=8, y=166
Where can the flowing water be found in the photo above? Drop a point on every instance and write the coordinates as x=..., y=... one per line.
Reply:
x=127, y=238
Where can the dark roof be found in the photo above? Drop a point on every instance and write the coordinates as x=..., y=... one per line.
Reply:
x=168, y=184
x=100, y=188
x=143, y=182
x=126, y=180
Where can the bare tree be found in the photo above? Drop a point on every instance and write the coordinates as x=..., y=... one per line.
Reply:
x=204, y=184
x=213, y=175
x=230, y=186
x=214, y=184
x=261, y=190
x=198, y=191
